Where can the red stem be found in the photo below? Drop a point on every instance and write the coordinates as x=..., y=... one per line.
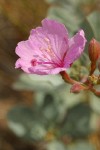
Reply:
x=69, y=80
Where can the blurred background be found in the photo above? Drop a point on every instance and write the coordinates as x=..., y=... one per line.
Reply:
x=39, y=112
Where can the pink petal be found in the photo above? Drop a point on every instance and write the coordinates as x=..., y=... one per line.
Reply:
x=54, y=27
x=24, y=50
x=23, y=64
x=76, y=47
x=55, y=33
x=45, y=71
x=58, y=35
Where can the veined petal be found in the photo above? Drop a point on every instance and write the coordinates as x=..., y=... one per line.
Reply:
x=45, y=71
x=76, y=47
x=24, y=50
x=57, y=39
x=53, y=27
x=23, y=64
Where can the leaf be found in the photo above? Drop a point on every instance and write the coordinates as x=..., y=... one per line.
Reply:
x=24, y=122
x=48, y=109
x=34, y=121
x=94, y=20
x=17, y=128
x=76, y=123
x=55, y=145
x=65, y=100
x=38, y=83
x=86, y=26
x=95, y=103
x=81, y=145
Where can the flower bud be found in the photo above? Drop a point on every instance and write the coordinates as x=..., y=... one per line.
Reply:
x=77, y=87
x=94, y=50
x=93, y=79
x=94, y=54
x=93, y=67
x=99, y=64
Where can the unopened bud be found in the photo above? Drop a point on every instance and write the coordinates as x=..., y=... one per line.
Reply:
x=94, y=54
x=99, y=64
x=94, y=50
x=77, y=87
x=93, y=67
x=93, y=79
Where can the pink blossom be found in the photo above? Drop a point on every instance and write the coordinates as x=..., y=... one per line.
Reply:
x=49, y=50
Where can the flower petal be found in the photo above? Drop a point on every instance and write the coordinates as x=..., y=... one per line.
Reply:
x=54, y=27
x=76, y=47
x=52, y=34
x=24, y=50
x=23, y=64
x=45, y=71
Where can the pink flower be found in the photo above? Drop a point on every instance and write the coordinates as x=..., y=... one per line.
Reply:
x=48, y=49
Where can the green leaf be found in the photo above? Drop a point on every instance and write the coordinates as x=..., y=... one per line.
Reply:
x=95, y=103
x=55, y=145
x=81, y=145
x=76, y=122
x=94, y=20
x=86, y=26
x=27, y=123
x=37, y=82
